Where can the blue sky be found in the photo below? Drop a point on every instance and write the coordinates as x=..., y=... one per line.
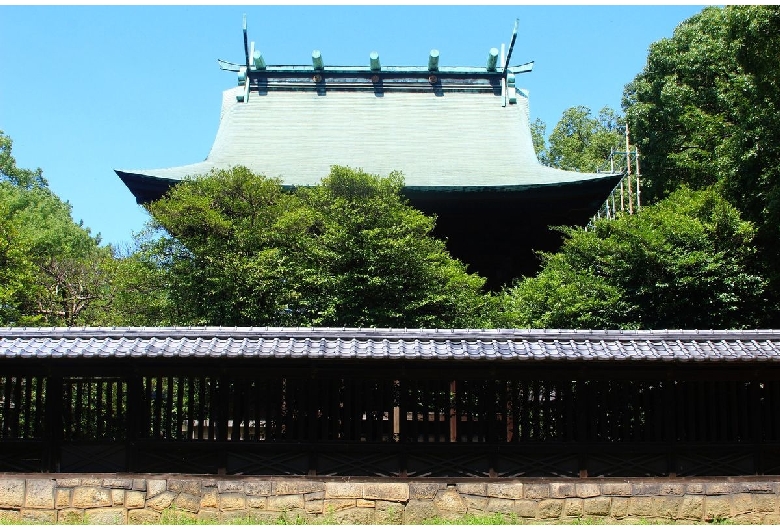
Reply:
x=87, y=89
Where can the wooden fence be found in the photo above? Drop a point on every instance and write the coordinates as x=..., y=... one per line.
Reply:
x=407, y=419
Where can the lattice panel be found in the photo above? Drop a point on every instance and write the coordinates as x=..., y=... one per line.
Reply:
x=162, y=459
x=267, y=463
x=705, y=463
x=93, y=458
x=538, y=465
x=435, y=463
x=616, y=464
x=358, y=463
x=23, y=458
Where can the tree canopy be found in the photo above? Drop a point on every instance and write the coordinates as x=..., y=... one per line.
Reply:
x=704, y=112
x=686, y=262
x=240, y=250
x=579, y=141
x=50, y=267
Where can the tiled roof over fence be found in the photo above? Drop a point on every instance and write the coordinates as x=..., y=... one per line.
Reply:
x=352, y=343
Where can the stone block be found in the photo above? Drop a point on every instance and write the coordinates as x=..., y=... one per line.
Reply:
x=418, y=511
x=209, y=499
x=210, y=516
x=672, y=489
x=258, y=488
x=355, y=516
x=550, y=509
x=716, y=508
x=597, y=506
x=475, y=502
x=499, y=505
x=117, y=497
x=619, y=507
x=230, y=486
x=314, y=507
x=334, y=505
x=588, y=489
x=142, y=517
x=71, y=516
x=742, y=503
x=91, y=481
x=645, y=489
x=717, y=488
x=285, y=503
x=189, y=486
x=38, y=516
x=771, y=519
x=154, y=487
x=537, y=491
x=187, y=502
x=389, y=491
x=758, y=487
x=363, y=503
x=290, y=487
x=667, y=506
x=91, y=497
x=9, y=516
x=11, y=493
x=616, y=488
x=694, y=488
x=765, y=502
x=692, y=507
x=522, y=507
x=117, y=483
x=135, y=499
x=505, y=490
x=427, y=490
x=104, y=516
x=68, y=482
x=232, y=501
x=562, y=490
x=572, y=507
x=343, y=490
x=139, y=484
x=257, y=503
x=640, y=506
x=314, y=496
x=161, y=501
x=62, y=497
x=387, y=512
x=449, y=501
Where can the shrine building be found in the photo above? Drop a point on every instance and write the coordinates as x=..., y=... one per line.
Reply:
x=460, y=135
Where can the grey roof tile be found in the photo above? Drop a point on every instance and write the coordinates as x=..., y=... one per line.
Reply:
x=330, y=343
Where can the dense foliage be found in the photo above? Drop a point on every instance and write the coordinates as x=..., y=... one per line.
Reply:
x=242, y=251
x=52, y=271
x=579, y=141
x=706, y=111
x=687, y=262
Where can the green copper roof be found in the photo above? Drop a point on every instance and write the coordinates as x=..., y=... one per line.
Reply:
x=455, y=136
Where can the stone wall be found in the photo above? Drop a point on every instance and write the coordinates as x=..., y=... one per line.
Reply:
x=135, y=499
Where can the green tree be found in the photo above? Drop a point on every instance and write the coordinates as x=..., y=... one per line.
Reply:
x=581, y=142
x=686, y=262
x=239, y=250
x=538, y=132
x=51, y=267
x=9, y=172
x=705, y=111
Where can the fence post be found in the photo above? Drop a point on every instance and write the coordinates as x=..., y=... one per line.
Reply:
x=756, y=417
x=582, y=425
x=670, y=412
x=54, y=424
